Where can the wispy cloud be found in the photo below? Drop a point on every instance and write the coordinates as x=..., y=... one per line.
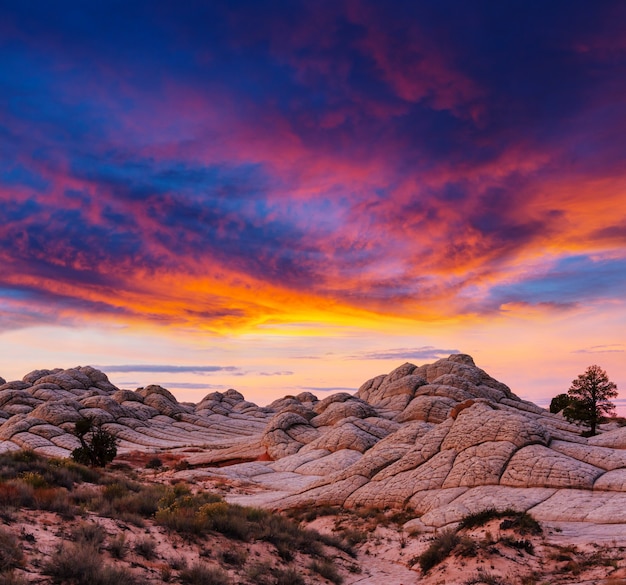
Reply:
x=327, y=388
x=285, y=373
x=618, y=348
x=193, y=386
x=417, y=353
x=165, y=369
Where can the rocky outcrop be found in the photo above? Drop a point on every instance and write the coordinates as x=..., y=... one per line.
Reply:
x=444, y=439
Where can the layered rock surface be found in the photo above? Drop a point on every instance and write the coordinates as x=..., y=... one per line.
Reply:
x=444, y=439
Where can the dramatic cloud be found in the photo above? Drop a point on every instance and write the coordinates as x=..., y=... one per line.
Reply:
x=221, y=168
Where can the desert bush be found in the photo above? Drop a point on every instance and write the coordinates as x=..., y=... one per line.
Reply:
x=262, y=574
x=34, y=479
x=310, y=514
x=201, y=574
x=182, y=465
x=196, y=515
x=439, y=549
x=118, y=547
x=146, y=548
x=10, y=551
x=483, y=577
x=234, y=556
x=124, y=500
x=97, y=448
x=89, y=533
x=36, y=469
x=523, y=522
x=16, y=494
x=288, y=576
x=476, y=519
x=353, y=537
x=328, y=570
x=402, y=517
x=466, y=547
x=81, y=564
x=154, y=463
x=54, y=500
x=524, y=545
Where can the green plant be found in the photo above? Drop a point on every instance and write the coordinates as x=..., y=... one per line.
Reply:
x=97, y=448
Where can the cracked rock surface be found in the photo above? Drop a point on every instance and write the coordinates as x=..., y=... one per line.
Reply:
x=445, y=439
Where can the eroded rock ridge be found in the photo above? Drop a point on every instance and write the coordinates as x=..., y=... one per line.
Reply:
x=444, y=439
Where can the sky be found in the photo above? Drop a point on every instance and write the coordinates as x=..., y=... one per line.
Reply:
x=279, y=196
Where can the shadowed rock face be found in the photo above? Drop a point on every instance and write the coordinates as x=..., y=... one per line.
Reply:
x=443, y=438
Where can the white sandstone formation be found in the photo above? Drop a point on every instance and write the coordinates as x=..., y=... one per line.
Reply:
x=444, y=439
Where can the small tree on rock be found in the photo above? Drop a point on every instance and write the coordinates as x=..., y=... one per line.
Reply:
x=97, y=446
x=559, y=403
x=590, y=396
